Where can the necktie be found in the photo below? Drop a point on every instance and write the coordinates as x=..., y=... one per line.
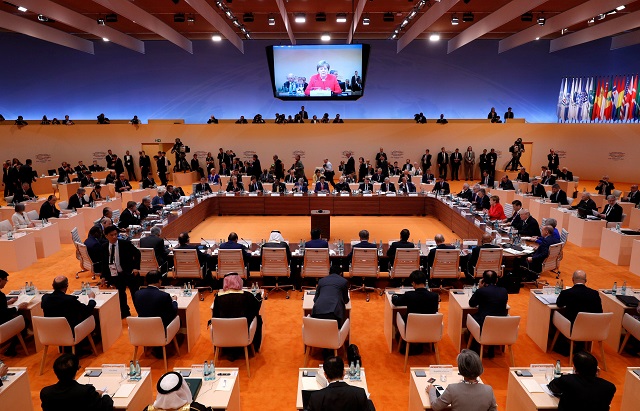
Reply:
x=112, y=259
x=278, y=188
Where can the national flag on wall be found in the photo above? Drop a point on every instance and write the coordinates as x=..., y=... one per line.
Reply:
x=627, y=105
x=559, y=107
x=603, y=100
x=621, y=91
x=613, y=91
x=596, y=102
x=635, y=115
x=584, y=99
x=592, y=97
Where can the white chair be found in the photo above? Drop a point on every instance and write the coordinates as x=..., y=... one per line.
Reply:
x=446, y=266
x=564, y=236
x=275, y=264
x=86, y=264
x=13, y=328
x=57, y=331
x=87, y=198
x=315, y=264
x=616, y=194
x=586, y=327
x=420, y=328
x=406, y=261
x=495, y=331
x=508, y=210
x=233, y=332
x=115, y=216
x=5, y=226
x=322, y=333
x=63, y=206
x=186, y=266
x=364, y=264
x=8, y=199
x=33, y=215
x=150, y=332
x=230, y=261
x=489, y=259
x=551, y=263
x=149, y=262
x=75, y=236
x=630, y=325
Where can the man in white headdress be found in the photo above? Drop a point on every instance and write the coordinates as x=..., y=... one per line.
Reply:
x=174, y=395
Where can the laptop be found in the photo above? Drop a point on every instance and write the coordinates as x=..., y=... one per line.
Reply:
x=194, y=386
x=628, y=300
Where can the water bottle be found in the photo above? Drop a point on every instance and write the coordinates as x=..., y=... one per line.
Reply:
x=10, y=235
x=561, y=285
x=212, y=370
x=184, y=290
x=138, y=371
x=557, y=289
x=206, y=371
x=557, y=371
x=83, y=289
x=358, y=370
x=26, y=287
x=614, y=289
x=419, y=245
x=618, y=227
x=427, y=285
x=624, y=288
x=474, y=288
x=352, y=370
x=132, y=370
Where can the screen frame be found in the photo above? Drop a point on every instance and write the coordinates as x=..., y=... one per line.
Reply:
x=366, y=49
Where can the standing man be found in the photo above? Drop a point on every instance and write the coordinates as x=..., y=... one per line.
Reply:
x=426, y=160
x=469, y=163
x=118, y=166
x=356, y=82
x=110, y=160
x=483, y=161
x=332, y=296
x=161, y=164
x=298, y=168
x=328, y=172
x=554, y=161
x=129, y=166
x=303, y=114
x=492, y=158
x=278, y=168
x=350, y=165
x=145, y=164
x=456, y=162
x=121, y=264
x=443, y=161
x=177, y=149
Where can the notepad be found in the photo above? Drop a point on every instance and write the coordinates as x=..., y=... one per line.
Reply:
x=548, y=298
x=309, y=383
x=224, y=385
x=532, y=386
x=124, y=391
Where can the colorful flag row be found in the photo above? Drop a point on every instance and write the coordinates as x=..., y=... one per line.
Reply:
x=599, y=99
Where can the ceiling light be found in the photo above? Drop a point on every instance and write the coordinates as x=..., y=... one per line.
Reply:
x=325, y=37
x=321, y=17
x=611, y=12
x=537, y=38
x=341, y=18
x=272, y=21
x=300, y=18
x=601, y=16
x=191, y=20
x=412, y=14
x=22, y=9
x=454, y=20
x=366, y=21
x=527, y=17
x=229, y=14
x=387, y=17
x=393, y=37
x=248, y=35
x=220, y=4
x=247, y=17
x=541, y=20
x=216, y=37
x=619, y=8
x=111, y=18
x=100, y=21
x=42, y=17
x=237, y=23
x=467, y=17
x=105, y=39
x=563, y=31
x=404, y=22
x=434, y=37
x=178, y=18
x=591, y=22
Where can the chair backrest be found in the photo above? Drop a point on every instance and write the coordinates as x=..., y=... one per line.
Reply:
x=63, y=205
x=631, y=324
x=318, y=332
x=364, y=262
x=617, y=193
x=75, y=236
x=85, y=259
x=8, y=199
x=53, y=330
x=489, y=259
x=274, y=262
x=230, y=261
x=424, y=327
x=33, y=215
x=186, y=264
x=11, y=328
x=316, y=262
x=146, y=331
x=500, y=330
x=591, y=326
x=5, y=225
x=116, y=215
x=406, y=261
x=446, y=264
x=148, y=260
x=552, y=261
x=564, y=236
x=229, y=332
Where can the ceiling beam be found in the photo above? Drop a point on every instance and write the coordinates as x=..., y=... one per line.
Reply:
x=356, y=19
x=21, y=25
x=608, y=28
x=134, y=13
x=578, y=14
x=625, y=40
x=503, y=15
x=81, y=22
x=285, y=18
x=425, y=21
x=209, y=14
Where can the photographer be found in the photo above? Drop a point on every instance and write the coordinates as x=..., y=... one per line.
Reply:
x=420, y=118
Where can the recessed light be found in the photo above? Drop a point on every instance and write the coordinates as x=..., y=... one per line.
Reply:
x=300, y=18
x=105, y=39
x=434, y=37
x=537, y=38
x=325, y=37
x=620, y=8
x=216, y=37
x=22, y=9
x=341, y=18
x=272, y=21
x=454, y=20
x=366, y=21
x=404, y=22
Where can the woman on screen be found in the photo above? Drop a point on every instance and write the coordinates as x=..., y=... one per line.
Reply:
x=323, y=80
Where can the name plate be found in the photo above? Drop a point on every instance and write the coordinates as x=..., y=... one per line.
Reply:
x=322, y=194
x=344, y=194
x=367, y=195
x=391, y=194
x=179, y=213
x=413, y=194
x=197, y=369
x=113, y=369
x=275, y=194
x=440, y=369
x=230, y=194
x=477, y=223
x=540, y=368
x=254, y=194
x=298, y=194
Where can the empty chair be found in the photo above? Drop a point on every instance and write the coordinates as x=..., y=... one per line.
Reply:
x=57, y=331
x=420, y=328
x=489, y=259
x=63, y=206
x=494, y=331
x=586, y=327
x=13, y=328
x=116, y=216
x=186, y=266
x=33, y=215
x=5, y=225
x=86, y=264
x=315, y=264
x=405, y=262
x=275, y=264
x=364, y=264
x=233, y=332
x=230, y=261
x=150, y=332
x=446, y=265
x=149, y=262
x=629, y=323
x=508, y=210
x=616, y=194
x=321, y=333
x=75, y=236
x=564, y=236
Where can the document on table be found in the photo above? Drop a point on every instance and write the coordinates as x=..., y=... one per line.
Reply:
x=224, y=385
x=124, y=391
x=532, y=385
x=309, y=384
x=22, y=298
x=548, y=298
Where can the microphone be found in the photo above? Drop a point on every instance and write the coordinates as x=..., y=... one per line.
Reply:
x=245, y=242
x=205, y=242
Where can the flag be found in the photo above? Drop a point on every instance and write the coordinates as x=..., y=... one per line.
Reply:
x=559, y=109
x=565, y=101
x=636, y=98
x=619, y=101
x=603, y=100
x=584, y=100
x=573, y=101
x=627, y=102
x=609, y=106
x=596, y=103
x=593, y=88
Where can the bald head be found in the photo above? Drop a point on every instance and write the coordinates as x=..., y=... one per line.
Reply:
x=486, y=238
x=579, y=277
x=60, y=283
x=439, y=238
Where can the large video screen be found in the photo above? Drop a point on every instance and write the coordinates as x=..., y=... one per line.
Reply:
x=318, y=72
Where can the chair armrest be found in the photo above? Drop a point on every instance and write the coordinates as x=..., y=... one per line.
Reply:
x=473, y=327
x=173, y=328
x=11, y=328
x=562, y=324
x=84, y=328
x=252, y=329
x=402, y=327
x=344, y=331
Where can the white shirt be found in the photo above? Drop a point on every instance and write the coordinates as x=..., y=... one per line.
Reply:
x=116, y=257
x=328, y=166
x=20, y=220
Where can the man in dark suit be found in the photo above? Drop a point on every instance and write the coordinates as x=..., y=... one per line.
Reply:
x=332, y=295
x=492, y=159
x=583, y=390
x=68, y=394
x=441, y=187
x=537, y=190
x=388, y=186
x=523, y=175
x=130, y=216
x=605, y=187
x=378, y=177
x=440, y=245
x=482, y=200
x=322, y=186
x=426, y=160
x=60, y=304
x=110, y=159
x=548, y=178
x=278, y=187
x=338, y=395
x=356, y=82
x=255, y=185
x=612, y=212
x=506, y=184
x=350, y=165
x=558, y=195
x=95, y=167
x=121, y=264
x=111, y=178
x=25, y=174
x=475, y=254
x=94, y=243
x=428, y=176
x=77, y=200
x=403, y=243
x=490, y=299
x=145, y=164
x=364, y=243
x=203, y=186
x=316, y=241
x=586, y=203
x=152, y=302
x=232, y=244
x=65, y=174
x=148, y=181
x=554, y=161
x=579, y=298
x=122, y=184
x=291, y=177
x=443, y=161
x=145, y=208
x=456, y=161
x=487, y=179
x=535, y=260
x=420, y=300
x=162, y=163
x=565, y=174
x=406, y=186
x=48, y=209
x=129, y=166
x=155, y=241
x=366, y=185
x=466, y=192
x=23, y=193
x=633, y=196
x=118, y=166
x=195, y=166
x=530, y=226
x=86, y=179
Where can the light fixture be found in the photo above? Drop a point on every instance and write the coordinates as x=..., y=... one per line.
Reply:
x=394, y=36
x=321, y=17
x=175, y=1
x=272, y=21
x=563, y=31
x=325, y=37
x=541, y=20
x=341, y=18
x=434, y=37
x=611, y=12
x=620, y=8
x=412, y=14
x=537, y=38
x=454, y=20
x=243, y=30
x=404, y=23
x=105, y=39
x=300, y=18
x=591, y=21
x=22, y=9
x=216, y=37
x=178, y=18
x=527, y=17
x=100, y=21
x=42, y=17
x=247, y=17
x=237, y=23
x=229, y=14
x=190, y=20
x=111, y=18
x=248, y=35
x=467, y=17
x=387, y=17
x=220, y=4
x=366, y=21
x=601, y=16
x=422, y=3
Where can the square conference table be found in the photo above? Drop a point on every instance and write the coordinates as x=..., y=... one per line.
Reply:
x=141, y=393
x=15, y=393
x=527, y=394
x=444, y=375
x=222, y=393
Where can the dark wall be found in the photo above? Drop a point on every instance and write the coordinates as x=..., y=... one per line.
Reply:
x=42, y=78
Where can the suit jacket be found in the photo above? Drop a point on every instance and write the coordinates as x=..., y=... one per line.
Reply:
x=152, y=302
x=144, y=211
x=408, y=188
x=257, y=186
x=322, y=187
x=282, y=186
x=238, y=187
x=128, y=161
x=605, y=188
x=441, y=186
x=524, y=177
x=530, y=227
x=613, y=213
x=25, y=174
x=127, y=218
x=515, y=220
x=59, y=304
x=467, y=195
x=157, y=243
x=76, y=201
x=579, y=299
x=350, y=166
x=508, y=185
x=418, y=301
x=554, y=161
x=144, y=161
x=332, y=295
x=20, y=195
x=548, y=180
x=588, y=205
x=129, y=257
x=73, y=396
x=568, y=176
x=201, y=188
x=490, y=300
x=339, y=396
x=456, y=156
x=390, y=188
x=582, y=393
x=559, y=197
x=634, y=197
x=93, y=168
x=377, y=178
x=6, y=313
x=391, y=252
x=230, y=245
x=538, y=191
x=320, y=243
x=47, y=211
x=487, y=181
x=122, y=184
x=365, y=187
x=432, y=253
x=94, y=248
x=427, y=178
x=482, y=203
x=542, y=252
x=443, y=158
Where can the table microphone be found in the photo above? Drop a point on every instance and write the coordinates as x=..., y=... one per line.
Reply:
x=205, y=242
x=245, y=242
